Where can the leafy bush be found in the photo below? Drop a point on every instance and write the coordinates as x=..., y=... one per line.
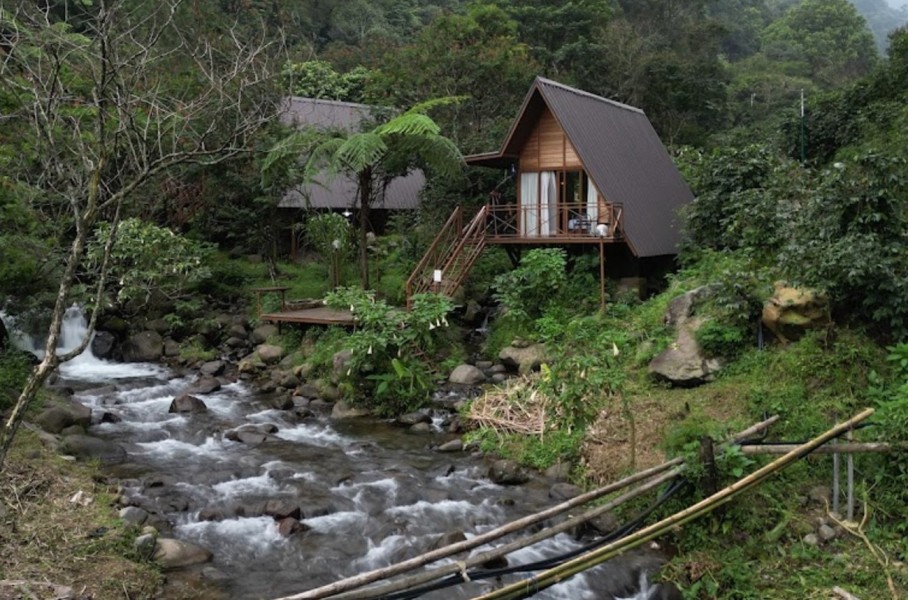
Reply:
x=718, y=339
x=849, y=237
x=526, y=291
x=147, y=259
x=391, y=348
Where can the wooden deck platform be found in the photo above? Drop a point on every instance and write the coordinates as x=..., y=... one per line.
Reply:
x=313, y=316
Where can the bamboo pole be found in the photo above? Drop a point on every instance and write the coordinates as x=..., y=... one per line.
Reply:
x=396, y=569
x=591, y=559
x=383, y=590
x=845, y=448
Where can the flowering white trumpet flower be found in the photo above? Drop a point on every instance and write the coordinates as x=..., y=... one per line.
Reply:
x=370, y=349
x=615, y=351
x=431, y=326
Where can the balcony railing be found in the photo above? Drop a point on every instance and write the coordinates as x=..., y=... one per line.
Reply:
x=572, y=221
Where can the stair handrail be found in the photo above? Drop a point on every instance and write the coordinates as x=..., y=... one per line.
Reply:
x=475, y=231
x=438, y=251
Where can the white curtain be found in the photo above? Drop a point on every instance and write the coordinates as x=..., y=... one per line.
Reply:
x=529, y=204
x=548, y=203
x=592, y=204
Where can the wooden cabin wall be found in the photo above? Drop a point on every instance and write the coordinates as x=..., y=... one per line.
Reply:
x=547, y=147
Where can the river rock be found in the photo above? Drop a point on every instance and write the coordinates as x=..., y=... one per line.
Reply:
x=452, y=446
x=344, y=410
x=206, y=384
x=290, y=526
x=73, y=430
x=133, y=515
x=263, y=333
x=826, y=533
x=213, y=368
x=447, y=539
x=62, y=414
x=87, y=447
x=523, y=359
x=421, y=428
x=340, y=362
x=235, y=342
x=605, y=523
x=147, y=346
x=159, y=325
x=250, y=434
x=507, y=472
x=171, y=348
x=102, y=344
x=467, y=375
x=560, y=471
x=269, y=354
x=187, y=404
x=173, y=554
x=413, y=418
x=145, y=545
x=564, y=491
x=281, y=509
x=237, y=330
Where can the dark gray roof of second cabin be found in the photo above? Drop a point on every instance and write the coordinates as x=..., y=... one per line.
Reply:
x=623, y=155
x=402, y=193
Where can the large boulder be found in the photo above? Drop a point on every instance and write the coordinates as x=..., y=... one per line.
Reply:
x=790, y=312
x=269, y=354
x=187, y=404
x=64, y=413
x=508, y=472
x=206, y=384
x=102, y=344
x=524, y=359
x=174, y=554
x=262, y=333
x=467, y=375
x=683, y=363
x=147, y=346
x=90, y=448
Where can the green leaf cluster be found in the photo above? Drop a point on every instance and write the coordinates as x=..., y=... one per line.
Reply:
x=391, y=349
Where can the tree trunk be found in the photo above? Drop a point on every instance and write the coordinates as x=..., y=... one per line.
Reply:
x=365, y=198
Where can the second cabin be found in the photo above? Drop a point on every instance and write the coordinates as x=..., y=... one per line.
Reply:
x=585, y=170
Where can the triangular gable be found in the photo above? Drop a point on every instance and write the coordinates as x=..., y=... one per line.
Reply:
x=621, y=153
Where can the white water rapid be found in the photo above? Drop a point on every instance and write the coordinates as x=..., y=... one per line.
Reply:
x=367, y=492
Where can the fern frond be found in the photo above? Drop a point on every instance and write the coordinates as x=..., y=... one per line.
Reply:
x=361, y=150
x=415, y=124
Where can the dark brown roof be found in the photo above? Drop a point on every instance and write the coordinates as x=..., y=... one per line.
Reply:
x=402, y=193
x=622, y=154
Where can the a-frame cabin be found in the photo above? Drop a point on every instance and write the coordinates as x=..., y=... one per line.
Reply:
x=586, y=170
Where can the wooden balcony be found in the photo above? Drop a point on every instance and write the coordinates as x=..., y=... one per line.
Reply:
x=566, y=223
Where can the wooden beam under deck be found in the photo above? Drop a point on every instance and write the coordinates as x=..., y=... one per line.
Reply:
x=551, y=240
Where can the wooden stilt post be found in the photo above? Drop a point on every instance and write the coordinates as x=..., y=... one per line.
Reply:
x=602, y=275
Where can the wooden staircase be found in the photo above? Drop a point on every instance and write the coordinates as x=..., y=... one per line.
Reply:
x=448, y=261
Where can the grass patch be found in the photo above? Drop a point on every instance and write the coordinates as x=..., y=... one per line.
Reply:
x=47, y=538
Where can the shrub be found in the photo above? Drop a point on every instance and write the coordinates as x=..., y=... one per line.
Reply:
x=526, y=291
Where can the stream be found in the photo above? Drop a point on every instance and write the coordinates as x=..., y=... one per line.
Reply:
x=370, y=492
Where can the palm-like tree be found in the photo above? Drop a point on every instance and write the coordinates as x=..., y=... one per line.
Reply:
x=373, y=158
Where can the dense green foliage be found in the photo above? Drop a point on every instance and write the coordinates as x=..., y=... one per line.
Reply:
x=149, y=260
x=391, y=350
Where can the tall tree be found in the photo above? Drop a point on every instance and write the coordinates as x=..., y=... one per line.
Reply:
x=476, y=56
x=829, y=37
x=372, y=158
x=97, y=114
